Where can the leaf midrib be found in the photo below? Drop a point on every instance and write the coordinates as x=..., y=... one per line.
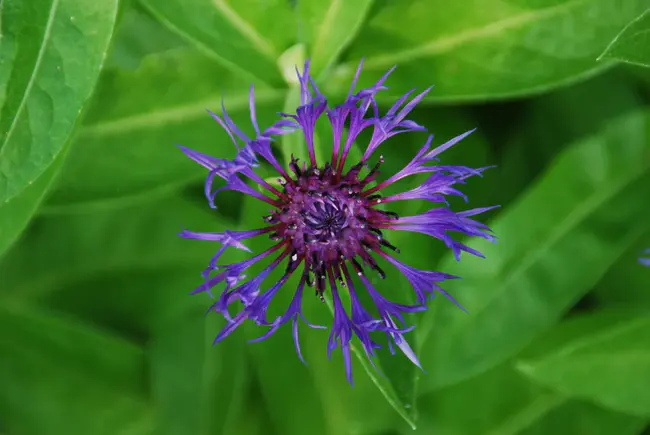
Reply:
x=621, y=35
x=578, y=215
x=174, y=114
x=527, y=415
x=583, y=360
x=43, y=283
x=204, y=48
x=325, y=27
x=570, y=221
x=246, y=30
x=447, y=43
x=32, y=79
x=586, y=341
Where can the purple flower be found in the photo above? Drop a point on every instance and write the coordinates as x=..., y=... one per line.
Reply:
x=325, y=222
x=645, y=260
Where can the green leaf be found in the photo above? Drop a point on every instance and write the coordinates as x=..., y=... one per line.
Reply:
x=504, y=402
x=56, y=370
x=135, y=134
x=244, y=35
x=632, y=45
x=140, y=273
x=51, y=53
x=138, y=35
x=482, y=49
x=575, y=113
x=16, y=213
x=576, y=417
x=609, y=366
x=328, y=27
x=197, y=388
x=136, y=238
x=554, y=244
x=287, y=387
x=626, y=283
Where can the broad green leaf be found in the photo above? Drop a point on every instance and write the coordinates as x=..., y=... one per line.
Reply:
x=626, y=283
x=632, y=45
x=328, y=27
x=51, y=52
x=256, y=421
x=161, y=104
x=136, y=238
x=245, y=36
x=16, y=213
x=288, y=390
x=554, y=244
x=577, y=417
x=197, y=388
x=60, y=376
x=137, y=35
x=574, y=113
x=140, y=273
x=482, y=49
x=504, y=402
x=609, y=366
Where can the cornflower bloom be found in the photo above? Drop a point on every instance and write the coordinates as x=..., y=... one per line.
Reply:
x=326, y=222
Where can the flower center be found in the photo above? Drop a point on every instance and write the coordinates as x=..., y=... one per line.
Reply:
x=326, y=219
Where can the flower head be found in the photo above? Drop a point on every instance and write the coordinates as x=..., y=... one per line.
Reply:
x=326, y=222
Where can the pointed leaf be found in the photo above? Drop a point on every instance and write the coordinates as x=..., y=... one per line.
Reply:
x=244, y=35
x=485, y=49
x=136, y=134
x=328, y=27
x=591, y=366
x=554, y=244
x=60, y=376
x=197, y=388
x=51, y=53
x=632, y=45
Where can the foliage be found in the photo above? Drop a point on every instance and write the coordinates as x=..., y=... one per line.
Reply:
x=97, y=331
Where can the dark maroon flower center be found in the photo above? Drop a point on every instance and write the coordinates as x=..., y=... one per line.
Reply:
x=327, y=218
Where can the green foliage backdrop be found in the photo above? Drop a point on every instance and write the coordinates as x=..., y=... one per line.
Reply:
x=98, y=334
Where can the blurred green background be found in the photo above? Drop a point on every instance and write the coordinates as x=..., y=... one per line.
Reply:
x=97, y=332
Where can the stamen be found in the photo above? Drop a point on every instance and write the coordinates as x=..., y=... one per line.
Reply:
x=385, y=243
x=270, y=219
x=389, y=214
x=357, y=266
x=379, y=270
x=294, y=166
x=375, y=198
